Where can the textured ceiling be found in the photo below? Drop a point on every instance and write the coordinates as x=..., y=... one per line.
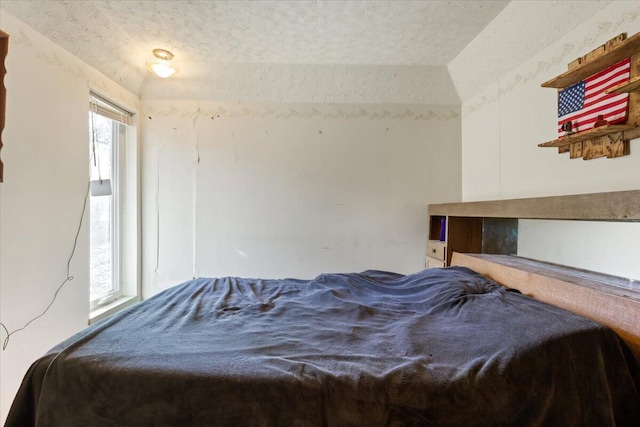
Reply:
x=116, y=37
x=524, y=28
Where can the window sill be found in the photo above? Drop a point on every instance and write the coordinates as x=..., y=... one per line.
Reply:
x=103, y=311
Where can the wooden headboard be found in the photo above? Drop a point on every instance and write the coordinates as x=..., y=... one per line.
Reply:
x=491, y=227
x=597, y=296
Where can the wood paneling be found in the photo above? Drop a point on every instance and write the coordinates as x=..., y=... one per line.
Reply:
x=463, y=235
x=4, y=48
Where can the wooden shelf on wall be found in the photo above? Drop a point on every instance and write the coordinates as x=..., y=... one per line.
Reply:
x=491, y=227
x=4, y=48
x=623, y=50
x=609, y=141
x=631, y=86
x=610, y=206
x=587, y=135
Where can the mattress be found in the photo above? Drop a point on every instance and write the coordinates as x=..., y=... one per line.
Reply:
x=442, y=347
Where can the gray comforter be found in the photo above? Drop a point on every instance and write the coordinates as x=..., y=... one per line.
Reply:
x=441, y=347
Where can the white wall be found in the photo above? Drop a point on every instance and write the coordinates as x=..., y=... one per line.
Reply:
x=291, y=189
x=503, y=123
x=45, y=179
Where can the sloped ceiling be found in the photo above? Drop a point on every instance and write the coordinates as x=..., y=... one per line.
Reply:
x=303, y=51
x=521, y=30
x=291, y=51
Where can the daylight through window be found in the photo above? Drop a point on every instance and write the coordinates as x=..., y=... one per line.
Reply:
x=107, y=139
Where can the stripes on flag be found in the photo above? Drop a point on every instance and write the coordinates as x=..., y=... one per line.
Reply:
x=583, y=102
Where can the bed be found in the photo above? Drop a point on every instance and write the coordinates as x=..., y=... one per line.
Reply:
x=441, y=347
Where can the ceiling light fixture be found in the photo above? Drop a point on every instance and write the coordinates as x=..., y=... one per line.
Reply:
x=162, y=66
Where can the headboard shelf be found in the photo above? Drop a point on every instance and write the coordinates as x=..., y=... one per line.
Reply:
x=491, y=227
x=593, y=295
x=613, y=206
x=484, y=235
x=614, y=285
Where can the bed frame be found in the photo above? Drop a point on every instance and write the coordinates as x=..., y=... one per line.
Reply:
x=597, y=296
x=476, y=231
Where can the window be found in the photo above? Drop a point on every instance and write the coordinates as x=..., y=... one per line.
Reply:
x=113, y=196
x=104, y=215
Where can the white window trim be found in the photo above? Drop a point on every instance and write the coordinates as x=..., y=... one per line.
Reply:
x=118, y=182
x=103, y=311
x=106, y=108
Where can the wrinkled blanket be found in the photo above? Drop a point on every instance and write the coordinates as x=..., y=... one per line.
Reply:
x=443, y=347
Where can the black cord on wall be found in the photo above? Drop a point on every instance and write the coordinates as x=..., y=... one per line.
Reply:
x=68, y=278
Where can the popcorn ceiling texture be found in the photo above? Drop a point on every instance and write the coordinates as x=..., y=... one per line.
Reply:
x=623, y=17
x=54, y=59
x=426, y=52
x=283, y=51
x=79, y=28
x=303, y=32
x=313, y=83
x=521, y=30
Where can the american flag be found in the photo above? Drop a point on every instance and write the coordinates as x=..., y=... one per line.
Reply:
x=582, y=102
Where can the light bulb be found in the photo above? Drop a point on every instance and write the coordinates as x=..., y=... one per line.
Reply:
x=162, y=66
x=163, y=69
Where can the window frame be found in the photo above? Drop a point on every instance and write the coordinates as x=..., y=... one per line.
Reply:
x=124, y=210
x=118, y=139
